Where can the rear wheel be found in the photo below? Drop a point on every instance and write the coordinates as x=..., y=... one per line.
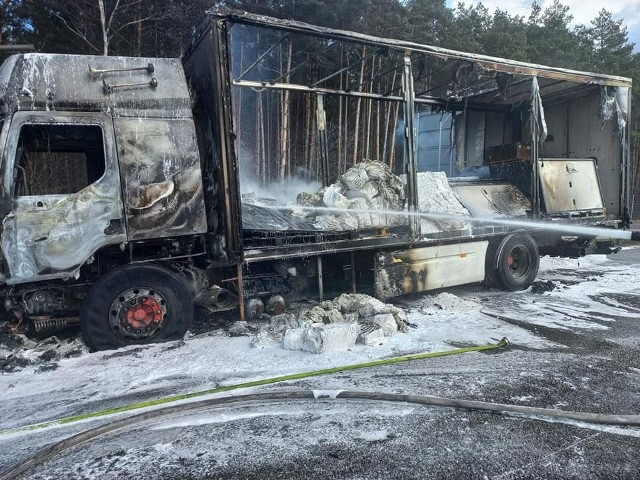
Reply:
x=513, y=264
x=136, y=304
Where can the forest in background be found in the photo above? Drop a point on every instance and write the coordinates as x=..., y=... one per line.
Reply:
x=161, y=28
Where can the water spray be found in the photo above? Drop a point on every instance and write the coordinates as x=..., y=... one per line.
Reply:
x=545, y=226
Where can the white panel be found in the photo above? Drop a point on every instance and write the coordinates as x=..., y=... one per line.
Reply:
x=446, y=265
x=570, y=185
x=420, y=269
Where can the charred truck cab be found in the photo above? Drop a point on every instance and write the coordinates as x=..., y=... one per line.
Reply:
x=101, y=176
x=123, y=203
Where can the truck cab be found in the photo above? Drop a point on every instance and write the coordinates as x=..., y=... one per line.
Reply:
x=96, y=152
x=100, y=168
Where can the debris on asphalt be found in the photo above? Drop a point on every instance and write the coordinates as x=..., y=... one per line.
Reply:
x=542, y=286
x=334, y=325
x=18, y=352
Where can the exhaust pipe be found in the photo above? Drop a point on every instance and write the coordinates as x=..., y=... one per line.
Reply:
x=217, y=299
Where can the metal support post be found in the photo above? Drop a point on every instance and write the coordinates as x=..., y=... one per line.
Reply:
x=353, y=273
x=410, y=147
x=320, y=283
x=240, y=292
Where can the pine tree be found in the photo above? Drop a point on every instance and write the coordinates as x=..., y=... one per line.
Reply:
x=608, y=39
x=430, y=22
x=469, y=28
x=550, y=41
x=506, y=37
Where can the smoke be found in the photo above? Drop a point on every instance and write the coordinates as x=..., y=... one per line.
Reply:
x=283, y=192
x=277, y=193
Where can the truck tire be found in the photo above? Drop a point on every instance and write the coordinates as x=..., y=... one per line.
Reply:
x=491, y=275
x=136, y=304
x=514, y=262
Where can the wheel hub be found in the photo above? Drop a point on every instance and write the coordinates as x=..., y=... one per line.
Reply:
x=518, y=261
x=138, y=313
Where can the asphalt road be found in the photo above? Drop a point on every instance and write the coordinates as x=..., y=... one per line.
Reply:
x=592, y=370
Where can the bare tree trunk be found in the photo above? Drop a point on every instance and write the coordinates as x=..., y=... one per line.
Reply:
x=294, y=138
x=387, y=126
x=378, y=114
x=340, y=101
x=267, y=145
x=103, y=25
x=367, y=153
x=313, y=137
x=393, y=150
x=367, y=131
x=263, y=148
x=346, y=131
x=358, y=107
x=111, y=19
x=307, y=135
x=138, y=26
x=258, y=135
x=284, y=132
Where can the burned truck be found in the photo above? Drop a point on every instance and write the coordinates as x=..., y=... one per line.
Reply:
x=279, y=158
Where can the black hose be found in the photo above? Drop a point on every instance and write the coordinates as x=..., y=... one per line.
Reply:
x=536, y=412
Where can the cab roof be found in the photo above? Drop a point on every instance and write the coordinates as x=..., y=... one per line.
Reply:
x=123, y=86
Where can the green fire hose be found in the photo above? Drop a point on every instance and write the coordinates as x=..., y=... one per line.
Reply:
x=256, y=383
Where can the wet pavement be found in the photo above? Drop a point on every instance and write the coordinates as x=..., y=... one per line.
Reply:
x=590, y=362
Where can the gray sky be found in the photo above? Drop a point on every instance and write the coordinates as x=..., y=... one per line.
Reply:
x=583, y=11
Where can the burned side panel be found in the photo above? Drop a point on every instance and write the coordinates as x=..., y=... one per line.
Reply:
x=52, y=238
x=206, y=66
x=493, y=199
x=162, y=183
x=422, y=269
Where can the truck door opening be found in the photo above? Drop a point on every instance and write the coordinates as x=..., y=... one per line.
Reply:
x=58, y=159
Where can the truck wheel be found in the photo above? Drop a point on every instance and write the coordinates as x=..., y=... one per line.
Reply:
x=136, y=304
x=517, y=262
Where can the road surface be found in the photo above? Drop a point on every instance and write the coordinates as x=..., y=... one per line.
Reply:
x=574, y=347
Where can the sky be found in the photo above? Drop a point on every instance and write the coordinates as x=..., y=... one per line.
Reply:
x=583, y=11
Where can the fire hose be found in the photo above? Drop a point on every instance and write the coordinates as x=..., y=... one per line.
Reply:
x=256, y=383
x=426, y=400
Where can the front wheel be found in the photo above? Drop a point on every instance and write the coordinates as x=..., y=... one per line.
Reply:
x=136, y=304
x=514, y=263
